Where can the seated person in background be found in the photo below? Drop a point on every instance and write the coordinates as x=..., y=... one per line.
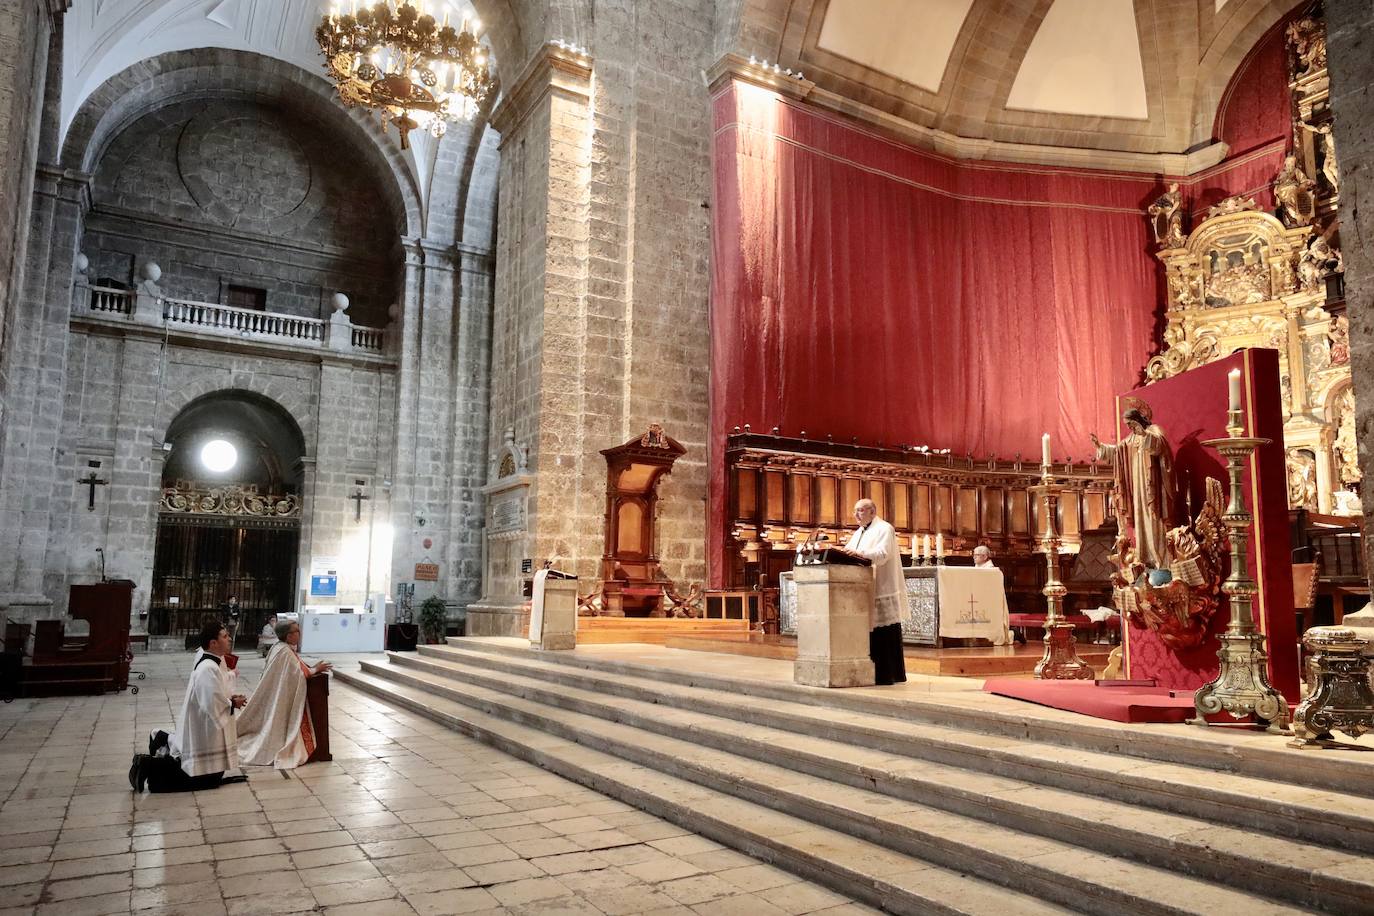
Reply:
x=982, y=557
x=203, y=745
x=275, y=728
x=268, y=637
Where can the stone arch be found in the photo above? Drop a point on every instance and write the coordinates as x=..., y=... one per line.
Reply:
x=1228, y=50
x=220, y=72
x=287, y=402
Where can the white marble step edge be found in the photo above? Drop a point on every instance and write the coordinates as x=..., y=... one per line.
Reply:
x=1277, y=808
x=1267, y=865
x=1044, y=868
x=863, y=871
x=1265, y=758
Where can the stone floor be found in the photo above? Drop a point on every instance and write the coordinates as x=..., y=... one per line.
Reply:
x=409, y=818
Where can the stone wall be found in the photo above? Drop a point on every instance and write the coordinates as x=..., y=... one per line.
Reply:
x=1350, y=48
x=221, y=192
x=125, y=387
x=25, y=28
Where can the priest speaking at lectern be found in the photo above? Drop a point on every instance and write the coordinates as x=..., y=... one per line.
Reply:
x=877, y=541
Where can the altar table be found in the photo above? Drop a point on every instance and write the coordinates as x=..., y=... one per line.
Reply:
x=955, y=602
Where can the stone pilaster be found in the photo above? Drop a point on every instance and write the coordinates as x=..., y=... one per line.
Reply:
x=1350, y=48
x=539, y=373
x=36, y=359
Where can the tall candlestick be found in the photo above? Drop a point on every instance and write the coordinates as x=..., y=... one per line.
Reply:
x=1233, y=381
x=1045, y=450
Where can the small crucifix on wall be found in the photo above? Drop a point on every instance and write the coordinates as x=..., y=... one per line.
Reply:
x=358, y=497
x=91, y=481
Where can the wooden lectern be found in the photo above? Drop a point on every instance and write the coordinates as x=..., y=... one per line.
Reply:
x=834, y=600
x=317, y=701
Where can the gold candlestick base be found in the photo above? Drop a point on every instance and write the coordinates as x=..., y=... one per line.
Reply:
x=1241, y=686
x=1060, y=661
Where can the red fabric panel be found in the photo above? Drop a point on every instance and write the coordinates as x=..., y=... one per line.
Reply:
x=1255, y=109
x=862, y=288
x=1191, y=408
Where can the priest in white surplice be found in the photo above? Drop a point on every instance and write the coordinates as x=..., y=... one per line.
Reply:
x=204, y=739
x=275, y=728
x=876, y=540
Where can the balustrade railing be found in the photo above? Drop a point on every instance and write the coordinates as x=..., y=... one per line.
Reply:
x=243, y=321
x=228, y=320
x=108, y=299
x=369, y=339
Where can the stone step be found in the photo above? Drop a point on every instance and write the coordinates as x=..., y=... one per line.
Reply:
x=864, y=871
x=1245, y=753
x=1279, y=868
x=1042, y=867
x=1281, y=809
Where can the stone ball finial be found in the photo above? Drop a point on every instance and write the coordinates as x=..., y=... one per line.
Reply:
x=151, y=272
x=339, y=301
x=393, y=311
x=83, y=263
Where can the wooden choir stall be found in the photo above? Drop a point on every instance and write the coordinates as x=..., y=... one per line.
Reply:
x=784, y=491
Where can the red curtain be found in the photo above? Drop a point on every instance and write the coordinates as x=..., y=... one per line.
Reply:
x=862, y=288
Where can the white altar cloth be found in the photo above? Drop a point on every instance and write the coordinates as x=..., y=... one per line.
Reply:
x=973, y=604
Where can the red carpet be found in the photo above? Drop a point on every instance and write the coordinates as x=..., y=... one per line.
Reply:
x=1121, y=704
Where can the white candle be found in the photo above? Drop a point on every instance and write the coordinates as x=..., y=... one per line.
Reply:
x=925, y=546
x=1233, y=380
x=939, y=544
x=1045, y=450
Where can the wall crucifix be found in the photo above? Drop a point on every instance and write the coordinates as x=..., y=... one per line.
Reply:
x=91, y=481
x=358, y=497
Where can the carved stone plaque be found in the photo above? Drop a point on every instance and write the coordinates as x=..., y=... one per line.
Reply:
x=508, y=512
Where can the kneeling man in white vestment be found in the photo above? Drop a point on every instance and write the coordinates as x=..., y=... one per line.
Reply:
x=203, y=746
x=877, y=540
x=275, y=728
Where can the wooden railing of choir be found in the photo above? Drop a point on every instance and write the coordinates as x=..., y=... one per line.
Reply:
x=317, y=701
x=782, y=490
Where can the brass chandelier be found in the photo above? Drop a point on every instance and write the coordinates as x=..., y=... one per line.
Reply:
x=396, y=58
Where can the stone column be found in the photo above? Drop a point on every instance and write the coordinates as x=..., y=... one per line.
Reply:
x=1349, y=23
x=541, y=380
x=403, y=461
x=35, y=357
x=470, y=386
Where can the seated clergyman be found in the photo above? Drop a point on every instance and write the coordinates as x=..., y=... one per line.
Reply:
x=275, y=728
x=982, y=557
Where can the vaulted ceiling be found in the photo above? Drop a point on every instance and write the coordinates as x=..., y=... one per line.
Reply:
x=1127, y=76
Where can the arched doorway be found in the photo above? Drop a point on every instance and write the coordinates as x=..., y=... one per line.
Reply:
x=229, y=515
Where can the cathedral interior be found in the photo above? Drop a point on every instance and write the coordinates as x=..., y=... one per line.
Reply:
x=369, y=313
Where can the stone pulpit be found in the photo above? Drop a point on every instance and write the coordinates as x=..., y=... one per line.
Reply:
x=833, y=605
x=632, y=581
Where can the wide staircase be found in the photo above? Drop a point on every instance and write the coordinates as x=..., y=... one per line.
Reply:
x=915, y=804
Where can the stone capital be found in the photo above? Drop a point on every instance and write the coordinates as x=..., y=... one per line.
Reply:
x=555, y=69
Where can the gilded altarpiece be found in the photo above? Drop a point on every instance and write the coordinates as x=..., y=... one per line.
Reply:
x=1247, y=278
x=1241, y=279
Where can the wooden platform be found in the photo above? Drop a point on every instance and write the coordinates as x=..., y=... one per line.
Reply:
x=655, y=630
x=990, y=661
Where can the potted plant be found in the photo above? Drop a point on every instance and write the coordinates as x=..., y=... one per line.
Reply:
x=433, y=619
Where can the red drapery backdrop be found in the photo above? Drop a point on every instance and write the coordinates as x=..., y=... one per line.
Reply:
x=863, y=288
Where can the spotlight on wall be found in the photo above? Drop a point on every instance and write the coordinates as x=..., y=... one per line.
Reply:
x=218, y=456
